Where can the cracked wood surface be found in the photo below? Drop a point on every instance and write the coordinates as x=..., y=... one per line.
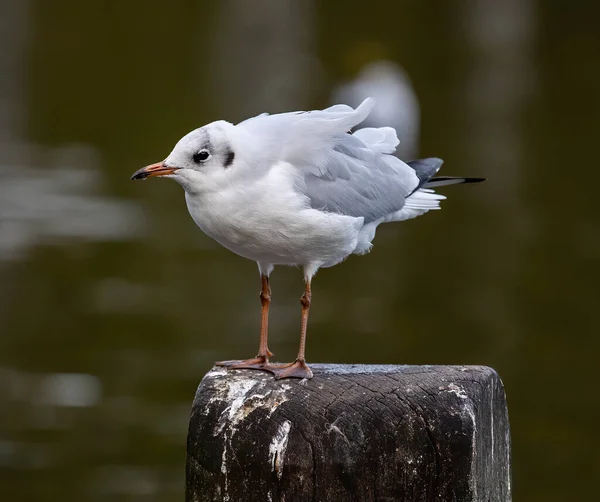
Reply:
x=352, y=433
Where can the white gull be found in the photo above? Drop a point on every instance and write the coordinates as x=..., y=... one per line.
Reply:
x=299, y=189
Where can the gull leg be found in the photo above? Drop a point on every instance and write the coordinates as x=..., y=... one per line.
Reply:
x=261, y=361
x=298, y=369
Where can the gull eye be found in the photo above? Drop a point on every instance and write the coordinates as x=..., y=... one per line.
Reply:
x=201, y=156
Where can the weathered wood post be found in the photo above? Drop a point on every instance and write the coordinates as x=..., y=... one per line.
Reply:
x=352, y=433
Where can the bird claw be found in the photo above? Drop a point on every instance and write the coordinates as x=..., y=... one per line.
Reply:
x=256, y=363
x=297, y=369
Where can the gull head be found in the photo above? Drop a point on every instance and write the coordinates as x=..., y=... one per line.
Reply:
x=204, y=159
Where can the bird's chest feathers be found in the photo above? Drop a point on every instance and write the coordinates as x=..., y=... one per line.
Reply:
x=247, y=222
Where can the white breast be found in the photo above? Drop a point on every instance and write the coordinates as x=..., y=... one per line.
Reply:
x=269, y=221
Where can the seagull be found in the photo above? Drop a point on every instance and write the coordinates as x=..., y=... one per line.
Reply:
x=297, y=189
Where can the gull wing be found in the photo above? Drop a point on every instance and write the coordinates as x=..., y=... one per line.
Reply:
x=358, y=180
x=304, y=139
x=350, y=174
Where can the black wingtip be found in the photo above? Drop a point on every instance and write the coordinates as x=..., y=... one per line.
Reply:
x=455, y=180
x=474, y=180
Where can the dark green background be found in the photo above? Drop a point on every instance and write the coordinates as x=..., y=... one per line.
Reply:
x=506, y=275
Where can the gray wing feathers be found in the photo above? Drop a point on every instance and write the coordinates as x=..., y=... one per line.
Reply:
x=357, y=180
x=349, y=174
x=303, y=139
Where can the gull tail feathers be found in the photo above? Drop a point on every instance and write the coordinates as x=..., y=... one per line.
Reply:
x=421, y=201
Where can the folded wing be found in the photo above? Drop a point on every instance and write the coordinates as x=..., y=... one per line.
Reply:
x=357, y=180
x=339, y=172
x=304, y=139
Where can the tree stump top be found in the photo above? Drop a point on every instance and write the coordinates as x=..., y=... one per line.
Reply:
x=353, y=432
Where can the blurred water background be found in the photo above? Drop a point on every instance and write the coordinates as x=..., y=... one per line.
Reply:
x=113, y=304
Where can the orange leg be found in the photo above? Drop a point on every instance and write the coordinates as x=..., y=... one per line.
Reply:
x=298, y=369
x=261, y=361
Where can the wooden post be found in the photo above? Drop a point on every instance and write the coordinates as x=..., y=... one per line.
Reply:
x=352, y=433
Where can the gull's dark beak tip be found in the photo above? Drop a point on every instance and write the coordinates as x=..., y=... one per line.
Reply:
x=158, y=169
x=139, y=175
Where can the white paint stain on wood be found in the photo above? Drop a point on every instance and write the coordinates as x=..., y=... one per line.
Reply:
x=278, y=446
x=333, y=427
x=242, y=397
x=224, y=471
x=236, y=397
x=458, y=390
x=471, y=412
